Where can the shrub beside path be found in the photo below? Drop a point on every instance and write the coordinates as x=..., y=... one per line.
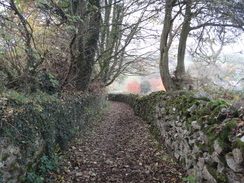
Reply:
x=119, y=149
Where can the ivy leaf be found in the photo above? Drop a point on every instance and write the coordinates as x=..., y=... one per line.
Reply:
x=95, y=7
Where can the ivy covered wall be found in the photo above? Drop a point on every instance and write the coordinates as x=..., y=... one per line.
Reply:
x=204, y=135
x=33, y=128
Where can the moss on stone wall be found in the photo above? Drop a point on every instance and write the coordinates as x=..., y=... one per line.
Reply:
x=219, y=177
x=37, y=127
x=200, y=131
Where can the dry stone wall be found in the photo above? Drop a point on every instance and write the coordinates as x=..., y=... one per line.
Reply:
x=205, y=135
x=33, y=131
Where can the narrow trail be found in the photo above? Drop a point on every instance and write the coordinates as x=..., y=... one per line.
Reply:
x=119, y=149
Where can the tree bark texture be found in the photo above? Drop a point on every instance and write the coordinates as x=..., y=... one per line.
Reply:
x=165, y=45
x=180, y=77
x=178, y=80
x=83, y=46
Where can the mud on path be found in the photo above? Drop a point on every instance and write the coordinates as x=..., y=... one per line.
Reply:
x=119, y=149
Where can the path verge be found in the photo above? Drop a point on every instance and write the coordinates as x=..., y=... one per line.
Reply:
x=118, y=149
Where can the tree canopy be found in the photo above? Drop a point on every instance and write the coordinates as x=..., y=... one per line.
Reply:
x=186, y=17
x=50, y=44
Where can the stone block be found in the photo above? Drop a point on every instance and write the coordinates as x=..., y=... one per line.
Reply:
x=201, y=163
x=236, y=167
x=189, y=162
x=195, y=149
x=221, y=167
x=208, y=158
x=195, y=126
x=232, y=177
x=215, y=157
x=191, y=143
x=238, y=156
x=217, y=148
x=207, y=175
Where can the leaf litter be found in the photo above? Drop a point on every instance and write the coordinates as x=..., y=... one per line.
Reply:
x=119, y=149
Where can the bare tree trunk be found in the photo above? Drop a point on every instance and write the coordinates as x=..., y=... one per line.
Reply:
x=164, y=47
x=90, y=48
x=180, y=78
x=178, y=81
x=83, y=46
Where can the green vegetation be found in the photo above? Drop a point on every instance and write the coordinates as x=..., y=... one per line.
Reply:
x=42, y=173
x=56, y=57
x=219, y=177
x=191, y=179
x=207, y=112
x=239, y=144
x=42, y=121
x=216, y=121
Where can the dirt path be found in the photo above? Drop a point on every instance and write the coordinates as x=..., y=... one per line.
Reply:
x=119, y=149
